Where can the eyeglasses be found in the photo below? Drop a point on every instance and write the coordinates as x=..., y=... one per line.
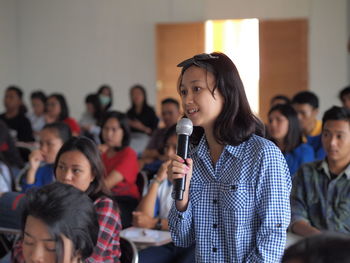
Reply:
x=200, y=61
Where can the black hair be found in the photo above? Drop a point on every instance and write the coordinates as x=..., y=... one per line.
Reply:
x=323, y=248
x=280, y=97
x=236, y=122
x=63, y=131
x=99, y=91
x=38, y=95
x=19, y=93
x=64, y=114
x=294, y=135
x=143, y=90
x=123, y=122
x=95, y=101
x=66, y=211
x=89, y=149
x=171, y=100
x=345, y=91
x=306, y=97
x=169, y=133
x=336, y=113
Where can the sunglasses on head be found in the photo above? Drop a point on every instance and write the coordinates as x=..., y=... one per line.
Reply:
x=200, y=61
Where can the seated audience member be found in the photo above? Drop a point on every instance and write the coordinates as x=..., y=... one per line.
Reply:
x=153, y=210
x=78, y=163
x=57, y=111
x=344, y=96
x=59, y=225
x=142, y=119
x=306, y=105
x=39, y=170
x=153, y=154
x=283, y=128
x=279, y=99
x=14, y=116
x=91, y=118
x=121, y=164
x=6, y=177
x=8, y=149
x=37, y=116
x=105, y=96
x=320, y=196
x=325, y=248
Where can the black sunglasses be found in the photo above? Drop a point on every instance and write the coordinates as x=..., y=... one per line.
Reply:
x=200, y=61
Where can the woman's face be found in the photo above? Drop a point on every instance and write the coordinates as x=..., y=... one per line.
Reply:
x=90, y=108
x=11, y=100
x=38, y=106
x=112, y=133
x=278, y=125
x=50, y=144
x=200, y=106
x=39, y=246
x=53, y=107
x=74, y=168
x=137, y=96
x=170, y=146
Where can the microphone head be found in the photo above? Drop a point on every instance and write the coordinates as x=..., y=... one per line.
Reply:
x=184, y=126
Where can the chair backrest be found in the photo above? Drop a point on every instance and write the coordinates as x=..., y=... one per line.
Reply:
x=129, y=251
x=8, y=237
x=142, y=183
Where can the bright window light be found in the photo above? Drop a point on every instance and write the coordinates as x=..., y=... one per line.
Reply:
x=238, y=39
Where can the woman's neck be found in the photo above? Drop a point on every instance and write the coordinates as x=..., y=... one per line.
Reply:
x=214, y=147
x=139, y=108
x=281, y=145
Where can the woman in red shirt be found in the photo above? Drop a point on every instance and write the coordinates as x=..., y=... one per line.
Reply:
x=121, y=164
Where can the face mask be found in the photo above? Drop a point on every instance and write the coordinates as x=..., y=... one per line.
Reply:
x=105, y=100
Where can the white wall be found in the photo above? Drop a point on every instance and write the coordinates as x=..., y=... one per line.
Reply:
x=72, y=46
x=8, y=44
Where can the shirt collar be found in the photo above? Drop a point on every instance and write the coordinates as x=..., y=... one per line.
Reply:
x=324, y=166
x=202, y=149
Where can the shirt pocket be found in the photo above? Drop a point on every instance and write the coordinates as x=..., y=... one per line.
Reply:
x=234, y=196
x=196, y=190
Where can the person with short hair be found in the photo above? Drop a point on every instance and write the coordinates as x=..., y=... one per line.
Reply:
x=279, y=99
x=59, y=225
x=153, y=155
x=37, y=116
x=320, y=196
x=344, y=96
x=306, y=105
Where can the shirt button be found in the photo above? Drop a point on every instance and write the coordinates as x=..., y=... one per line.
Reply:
x=234, y=187
x=215, y=225
x=215, y=201
x=180, y=216
x=215, y=249
x=279, y=225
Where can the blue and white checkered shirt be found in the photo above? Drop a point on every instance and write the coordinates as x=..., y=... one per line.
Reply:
x=239, y=209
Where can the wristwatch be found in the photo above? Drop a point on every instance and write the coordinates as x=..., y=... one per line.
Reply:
x=159, y=224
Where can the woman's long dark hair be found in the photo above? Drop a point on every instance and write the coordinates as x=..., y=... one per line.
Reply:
x=123, y=122
x=64, y=114
x=66, y=211
x=145, y=101
x=95, y=101
x=236, y=122
x=89, y=149
x=294, y=136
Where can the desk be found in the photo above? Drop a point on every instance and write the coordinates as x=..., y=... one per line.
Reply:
x=143, y=237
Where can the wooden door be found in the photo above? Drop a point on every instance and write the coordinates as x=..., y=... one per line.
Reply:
x=283, y=60
x=174, y=43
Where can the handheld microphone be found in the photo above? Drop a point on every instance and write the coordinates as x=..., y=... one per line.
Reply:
x=184, y=129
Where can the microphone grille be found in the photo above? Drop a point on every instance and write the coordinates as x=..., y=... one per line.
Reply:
x=184, y=126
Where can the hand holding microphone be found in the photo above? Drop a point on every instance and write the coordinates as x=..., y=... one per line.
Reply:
x=180, y=169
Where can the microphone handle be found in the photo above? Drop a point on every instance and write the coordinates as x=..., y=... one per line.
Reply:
x=182, y=151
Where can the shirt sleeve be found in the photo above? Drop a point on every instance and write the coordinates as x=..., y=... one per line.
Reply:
x=298, y=201
x=273, y=207
x=181, y=226
x=108, y=245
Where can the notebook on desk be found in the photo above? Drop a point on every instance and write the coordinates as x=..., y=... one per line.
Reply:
x=144, y=236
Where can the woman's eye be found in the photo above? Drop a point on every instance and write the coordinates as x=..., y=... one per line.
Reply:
x=183, y=92
x=28, y=242
x=76, y=171
x=196, y=89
